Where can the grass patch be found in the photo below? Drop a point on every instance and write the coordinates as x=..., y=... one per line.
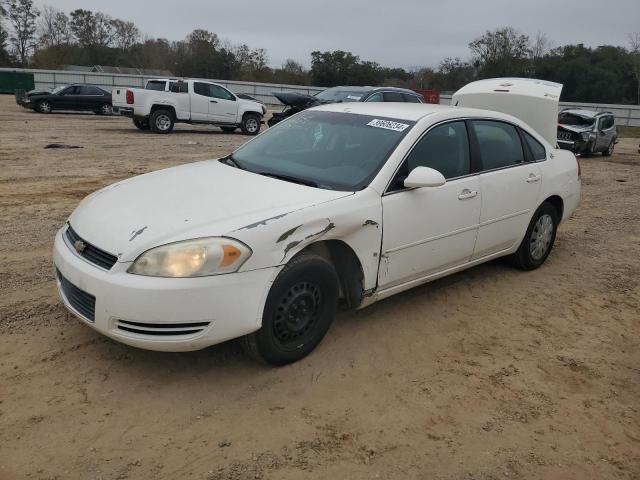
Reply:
x=629, y=132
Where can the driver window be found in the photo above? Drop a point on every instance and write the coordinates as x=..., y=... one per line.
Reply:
x=70, y=91
x=216, y=91
x=376, y=97
x=445, y=148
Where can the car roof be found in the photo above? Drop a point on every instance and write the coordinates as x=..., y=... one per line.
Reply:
x=400, y=111
x=368, y=89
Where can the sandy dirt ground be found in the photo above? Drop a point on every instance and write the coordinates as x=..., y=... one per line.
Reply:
x=489, y=374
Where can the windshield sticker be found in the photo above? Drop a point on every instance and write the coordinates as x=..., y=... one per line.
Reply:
x=354, y=97
x=388, y=125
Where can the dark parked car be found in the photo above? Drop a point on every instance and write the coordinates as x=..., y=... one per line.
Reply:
x=296, y=102
x=68, y=97
x=586, y=131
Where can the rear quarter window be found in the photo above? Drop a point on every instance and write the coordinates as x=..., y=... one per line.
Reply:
x=538, y=151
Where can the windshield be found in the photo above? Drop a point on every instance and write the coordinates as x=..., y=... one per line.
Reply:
x=58, y=89
x=575, y=120
x=331, y=150
x=337, y=94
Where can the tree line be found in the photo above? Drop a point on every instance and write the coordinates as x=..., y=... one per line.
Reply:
x=50, y=38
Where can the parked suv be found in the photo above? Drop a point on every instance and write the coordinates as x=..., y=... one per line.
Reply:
x=585, y=131
x=296, y=102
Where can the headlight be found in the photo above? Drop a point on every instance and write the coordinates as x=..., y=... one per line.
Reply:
x=192, y=258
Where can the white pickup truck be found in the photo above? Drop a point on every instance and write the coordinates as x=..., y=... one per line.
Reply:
x=188, y=101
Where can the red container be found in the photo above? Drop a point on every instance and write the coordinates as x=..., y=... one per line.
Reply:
x=430, y=96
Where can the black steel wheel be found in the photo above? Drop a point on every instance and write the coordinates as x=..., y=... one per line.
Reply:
x=298, y=312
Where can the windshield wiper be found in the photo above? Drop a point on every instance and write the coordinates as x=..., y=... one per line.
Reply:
x=289, y=178
x=229, y=160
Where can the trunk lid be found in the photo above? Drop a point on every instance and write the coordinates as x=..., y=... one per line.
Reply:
x=535, y=102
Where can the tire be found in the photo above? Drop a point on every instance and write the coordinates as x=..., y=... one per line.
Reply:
x=299, y=310
x=609, y=151
x=229, y=129
x=538, y=241
x=271, y=122
x=162, y=121
x=250, y=124
x=105, y=109
x=140, y=125
x=44, y=107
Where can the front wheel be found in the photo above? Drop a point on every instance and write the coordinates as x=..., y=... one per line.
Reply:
x=609, y=151
x=161, y=121
x=43, y=107
x=538, y=241
x=298, y=312
x=250, y=124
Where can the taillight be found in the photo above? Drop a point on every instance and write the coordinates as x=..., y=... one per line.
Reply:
x=129, y=97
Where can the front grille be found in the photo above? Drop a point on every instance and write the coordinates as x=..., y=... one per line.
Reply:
x=84, y=303
x=90, y=252
x=565, y=135
x=161, y=329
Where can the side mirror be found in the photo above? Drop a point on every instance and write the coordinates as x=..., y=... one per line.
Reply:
x=424, y=177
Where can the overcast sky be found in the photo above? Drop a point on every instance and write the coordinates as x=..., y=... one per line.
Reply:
x=402, y=33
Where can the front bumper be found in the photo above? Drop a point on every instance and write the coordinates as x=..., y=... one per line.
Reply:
x=164, y=314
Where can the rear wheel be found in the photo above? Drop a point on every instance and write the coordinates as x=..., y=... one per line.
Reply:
x=43, y=107
x=161, y=121
x=140, y=124
x=298, y=312
x=538, y=241
x=229, y=129
x=609, y=151
x=250, y=124
x=105, y=109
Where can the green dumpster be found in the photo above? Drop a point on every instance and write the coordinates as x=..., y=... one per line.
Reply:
x=11, y=82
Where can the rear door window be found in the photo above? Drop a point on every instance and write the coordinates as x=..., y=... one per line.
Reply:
x=87, y=90
x=156, y=85
x=376, y=97
x=411, y=98
x=499, y=144
x=537, y=150
x=393, y=97
x=201, y=89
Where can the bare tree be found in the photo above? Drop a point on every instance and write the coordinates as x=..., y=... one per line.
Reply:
x=22, y=15
x=540, y=46
x=634, y=43
x=501, y=52
x=53, y=28
x=125, y=35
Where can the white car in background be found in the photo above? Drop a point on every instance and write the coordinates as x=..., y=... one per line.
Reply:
x=341, y=204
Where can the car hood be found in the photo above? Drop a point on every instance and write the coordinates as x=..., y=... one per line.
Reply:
x=190, y=201
x=32, y=93
x=575, y=128
x=294, y=99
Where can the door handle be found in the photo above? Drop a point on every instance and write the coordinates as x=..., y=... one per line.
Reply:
x=213, y=101
x=466, y=193
x=532, y=178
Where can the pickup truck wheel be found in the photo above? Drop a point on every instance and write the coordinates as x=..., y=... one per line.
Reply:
x=229, y=129
x=140, y=124
x=43, y=107
x=161, y=121
x=538, y=241
x=250, y=124
x=298, y=312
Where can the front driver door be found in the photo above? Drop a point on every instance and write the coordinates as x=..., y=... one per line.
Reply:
x=428, y=230
x=223, y=106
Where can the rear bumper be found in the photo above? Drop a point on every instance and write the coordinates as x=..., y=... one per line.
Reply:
x=163, y=314
x=123, y=111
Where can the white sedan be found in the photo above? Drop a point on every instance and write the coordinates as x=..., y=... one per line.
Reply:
x=343, y=204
